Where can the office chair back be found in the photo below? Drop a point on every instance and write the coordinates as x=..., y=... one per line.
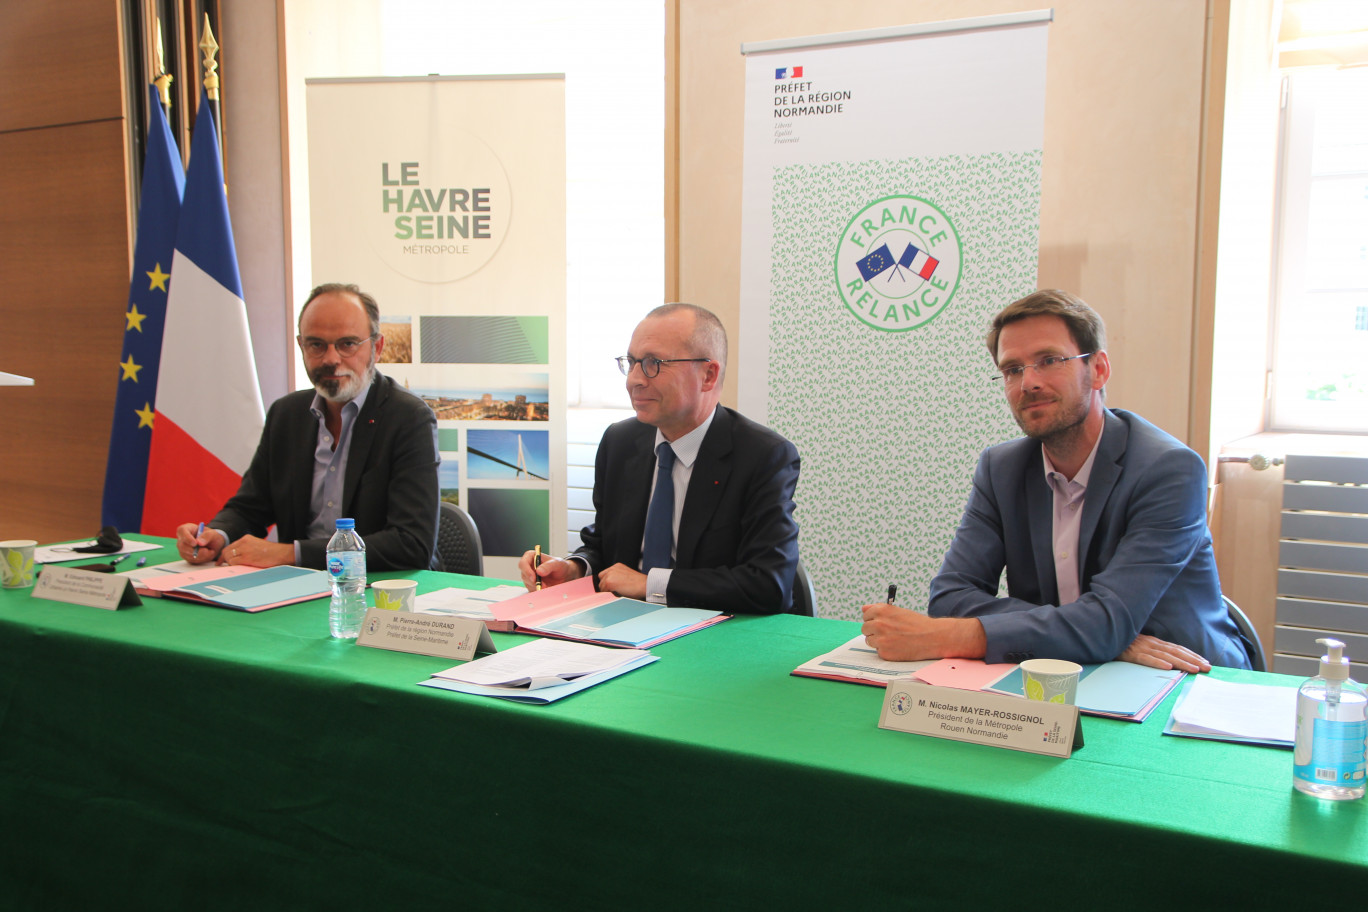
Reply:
x=804, y=595
x=458, y=542
x=1258, y=660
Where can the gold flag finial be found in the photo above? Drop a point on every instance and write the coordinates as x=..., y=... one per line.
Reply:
x=210, y=47
x=163, y=79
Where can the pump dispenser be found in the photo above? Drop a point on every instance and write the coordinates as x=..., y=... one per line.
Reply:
x=1332, y=724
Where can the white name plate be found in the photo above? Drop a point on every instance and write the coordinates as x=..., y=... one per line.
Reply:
x=983, y=718
x=425, y=634
x=82, y=587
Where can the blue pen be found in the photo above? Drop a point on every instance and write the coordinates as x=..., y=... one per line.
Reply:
x=142, y=562
x=115, y=562
x=194, y=554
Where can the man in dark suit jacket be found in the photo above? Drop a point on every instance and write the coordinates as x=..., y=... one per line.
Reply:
x=1098, y=517
x=356, y=446
x=735, y=544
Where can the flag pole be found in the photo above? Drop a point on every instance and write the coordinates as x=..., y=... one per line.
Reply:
x=209, y=47
x=162, y=79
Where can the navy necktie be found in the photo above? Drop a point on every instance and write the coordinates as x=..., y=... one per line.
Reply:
x=655, y=551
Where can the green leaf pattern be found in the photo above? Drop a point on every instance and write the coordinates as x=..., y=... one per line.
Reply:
x=890, y=425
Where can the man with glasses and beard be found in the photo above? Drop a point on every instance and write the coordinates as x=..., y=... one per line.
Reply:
x=1098, y=517
x=693, y=502
x=356, y=446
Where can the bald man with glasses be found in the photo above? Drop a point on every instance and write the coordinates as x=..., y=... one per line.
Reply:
x=357, y=445
x=1097, y=516
x=693, y=502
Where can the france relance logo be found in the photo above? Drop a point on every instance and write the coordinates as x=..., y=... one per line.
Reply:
x=898, y=263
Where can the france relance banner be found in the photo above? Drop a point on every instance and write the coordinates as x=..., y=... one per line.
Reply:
x=891, y=206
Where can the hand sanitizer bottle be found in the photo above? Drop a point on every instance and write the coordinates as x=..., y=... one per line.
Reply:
x=1328, y=760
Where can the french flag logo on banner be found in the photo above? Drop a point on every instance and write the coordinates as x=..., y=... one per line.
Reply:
x=920, y=262
x=788, y=73
x=208, y=406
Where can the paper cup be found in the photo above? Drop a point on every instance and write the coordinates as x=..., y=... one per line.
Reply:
x=395, y=595
x=16, y=557
x=1050, y=680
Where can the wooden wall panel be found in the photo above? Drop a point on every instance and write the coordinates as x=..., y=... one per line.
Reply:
x=59, y=63
x=64, y=231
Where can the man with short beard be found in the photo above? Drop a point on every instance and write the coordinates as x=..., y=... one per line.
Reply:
x=1098, y=517
x=356, y=446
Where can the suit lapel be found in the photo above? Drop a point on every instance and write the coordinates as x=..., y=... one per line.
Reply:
x=1106, y=471
x=1040, y=507
x=363, y=432
x=637, y=472
x=706, y=485
x=304, y=436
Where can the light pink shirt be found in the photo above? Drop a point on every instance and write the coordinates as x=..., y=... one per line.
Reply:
x=1068, y=518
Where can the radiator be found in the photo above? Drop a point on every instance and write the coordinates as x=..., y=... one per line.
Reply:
x=1322, y=563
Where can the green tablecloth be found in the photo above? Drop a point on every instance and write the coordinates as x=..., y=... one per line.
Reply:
x=180, y=756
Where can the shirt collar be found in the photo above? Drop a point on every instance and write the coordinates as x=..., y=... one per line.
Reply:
x=686, y=448
x=1084, y=473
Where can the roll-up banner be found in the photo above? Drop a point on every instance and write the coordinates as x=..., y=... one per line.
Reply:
x=445, y=198
x=891, y=206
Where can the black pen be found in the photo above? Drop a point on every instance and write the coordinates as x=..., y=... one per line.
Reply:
x=892, y=592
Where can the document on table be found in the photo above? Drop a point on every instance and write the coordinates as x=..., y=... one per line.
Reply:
x=1116, y=690
x=139, y=574
x=61, y=553
x=541, y=671
x=576, y=611
x=1226, y=711
x=239, y=587
x=855, y=662
x=468, y=603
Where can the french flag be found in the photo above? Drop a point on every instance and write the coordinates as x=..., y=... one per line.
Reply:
x=208, y=406
x=788, y=73
x=920, y=262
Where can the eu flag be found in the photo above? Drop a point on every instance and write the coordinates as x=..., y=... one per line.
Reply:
x=130, y=440
x=876, y=262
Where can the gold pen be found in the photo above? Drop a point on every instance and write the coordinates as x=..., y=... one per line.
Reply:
x=536, y=563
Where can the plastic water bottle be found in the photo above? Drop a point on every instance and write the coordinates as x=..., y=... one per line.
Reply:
x=1332, y=724
x=347, y=567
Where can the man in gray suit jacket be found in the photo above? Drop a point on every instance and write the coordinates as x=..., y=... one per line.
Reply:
x=357, y=445
x=1098, y=517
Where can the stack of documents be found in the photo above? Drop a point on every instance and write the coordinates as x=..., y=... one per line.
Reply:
x=240, y=588
x=1224, y=711
x=857, y=663
x=576, y=611
x=1119, y=690
x=469, y=603
x=541, y=671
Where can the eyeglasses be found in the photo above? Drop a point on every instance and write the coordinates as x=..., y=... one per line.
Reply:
x=1050, y=363
x=345, y=347
x=650, y=367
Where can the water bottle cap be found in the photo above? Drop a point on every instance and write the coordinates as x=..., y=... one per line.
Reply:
x=348, y=524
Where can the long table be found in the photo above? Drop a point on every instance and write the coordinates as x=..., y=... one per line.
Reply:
x=178, y=756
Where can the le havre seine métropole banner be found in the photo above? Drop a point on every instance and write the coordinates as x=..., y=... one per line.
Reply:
x=445, y=198
x=891, y=206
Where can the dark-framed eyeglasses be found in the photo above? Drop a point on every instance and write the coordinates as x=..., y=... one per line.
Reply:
x=346, y=347
x=650, y=367
x=1013, y=375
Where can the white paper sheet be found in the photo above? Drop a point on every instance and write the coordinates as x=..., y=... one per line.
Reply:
x=1254, y=711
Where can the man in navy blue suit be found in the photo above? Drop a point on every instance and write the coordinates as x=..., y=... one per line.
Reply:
x=1098, y=517
x=726, y=538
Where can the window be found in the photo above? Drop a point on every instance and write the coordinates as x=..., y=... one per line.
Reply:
x=1320, y=338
